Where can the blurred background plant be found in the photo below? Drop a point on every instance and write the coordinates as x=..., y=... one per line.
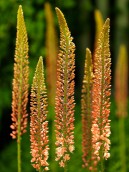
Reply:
x=80, y=18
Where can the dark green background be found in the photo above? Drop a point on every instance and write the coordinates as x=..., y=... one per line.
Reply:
x=80, y=18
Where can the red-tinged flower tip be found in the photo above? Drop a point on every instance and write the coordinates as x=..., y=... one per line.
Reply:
x=38, y=124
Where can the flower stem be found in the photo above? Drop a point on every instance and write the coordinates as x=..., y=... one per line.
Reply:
x=65, y=168
x=102, y=165
x=19, y=152
x=40, y=170
x=122, y=145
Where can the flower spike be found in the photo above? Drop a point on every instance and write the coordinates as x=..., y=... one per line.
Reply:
x=38, y=123
x=65, y=94
x=20, y=81
x=86, y=110
x=51, y=53
x=121, y=85
x=101, y=96
x=20, y=84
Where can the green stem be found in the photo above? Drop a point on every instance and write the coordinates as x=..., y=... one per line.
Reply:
x=101, y=161
x=40, y=170
x=65, y=168
x=19, y=152
x=122, y=145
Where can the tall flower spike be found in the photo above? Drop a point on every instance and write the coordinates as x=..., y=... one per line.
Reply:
x=101, y=97
x=65, y=94
x=86, y=111
x=121, y=82
x=51, y=53
x=20, y=81
x=38, y=123
x=20, y=85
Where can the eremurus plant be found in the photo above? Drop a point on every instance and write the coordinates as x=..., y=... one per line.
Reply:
x=51, y=54
x=121, y=98
x=64, y=94
x=20, y=84
x=95, y=100
x=51, y=61
x=101, y=98
x=38, y=122
x=86, y=111
x=95, y=103
x=121, y=82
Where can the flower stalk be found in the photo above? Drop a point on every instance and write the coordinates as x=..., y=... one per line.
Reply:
x=121, y=85
x=86, y=111
x=65, y=94
x=51, y=60
x=20, y=84
x=121, y=98
x=51, y=53
x=38, y=123
x=101, y=98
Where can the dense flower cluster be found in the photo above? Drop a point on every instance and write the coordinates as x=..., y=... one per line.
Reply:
x=96, y=103
x=20, y=81
x=64, y=94
x=86, y=106
x=38, y=123
x=101, y=96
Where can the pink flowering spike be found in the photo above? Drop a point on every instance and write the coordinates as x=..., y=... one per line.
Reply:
x=101, y=96
x=65, y=94
x=20, y=80
x=20, y=85
x=86, y=111
x=121, y=85
x=121, y=98
x=38, y=123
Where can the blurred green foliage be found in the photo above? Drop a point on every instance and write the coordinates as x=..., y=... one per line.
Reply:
x=80, y=18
